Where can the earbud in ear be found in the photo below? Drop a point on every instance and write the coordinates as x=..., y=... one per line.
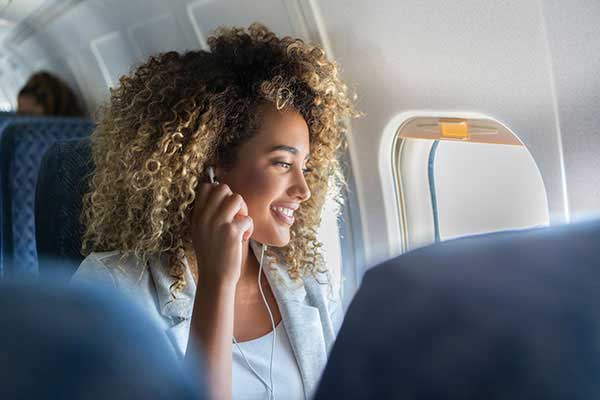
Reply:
x=211, y=174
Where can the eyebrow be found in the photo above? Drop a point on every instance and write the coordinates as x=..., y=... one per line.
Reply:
x=289, y=149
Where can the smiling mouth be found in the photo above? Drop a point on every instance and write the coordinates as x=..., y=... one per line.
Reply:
x=283, y=214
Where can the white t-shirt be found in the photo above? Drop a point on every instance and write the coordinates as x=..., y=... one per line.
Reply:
x=287, y=381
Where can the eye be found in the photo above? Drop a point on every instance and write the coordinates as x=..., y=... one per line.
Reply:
x=282, y=164
x=286, y=165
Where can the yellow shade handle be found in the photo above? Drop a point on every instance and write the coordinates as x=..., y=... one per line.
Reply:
x=454, y=129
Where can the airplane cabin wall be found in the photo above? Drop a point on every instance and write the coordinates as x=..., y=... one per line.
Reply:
x=489, y=57
x=530, y=64
x=574, y=37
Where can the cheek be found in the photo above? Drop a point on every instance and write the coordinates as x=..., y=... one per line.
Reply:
x=258, y=190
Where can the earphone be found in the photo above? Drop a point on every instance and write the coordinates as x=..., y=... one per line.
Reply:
x=210, y=171
x=270, y=388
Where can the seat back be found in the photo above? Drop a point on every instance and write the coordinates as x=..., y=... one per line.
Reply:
x=62, y=182
x=23, y=142
x=509, y=315
x=64, y=341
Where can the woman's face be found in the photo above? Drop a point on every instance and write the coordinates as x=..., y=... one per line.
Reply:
x=269, y=174
x=28, y=105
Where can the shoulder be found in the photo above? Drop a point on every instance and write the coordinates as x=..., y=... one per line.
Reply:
x=109, y=268
x=322, y=286
x=323, y=292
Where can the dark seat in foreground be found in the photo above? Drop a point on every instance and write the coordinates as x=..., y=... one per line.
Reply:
x=68, y=342
x=501, y=316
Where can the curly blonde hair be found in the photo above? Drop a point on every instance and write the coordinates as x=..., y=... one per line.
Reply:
x=177, y=113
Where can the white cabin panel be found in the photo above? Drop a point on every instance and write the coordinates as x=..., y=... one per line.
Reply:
x=574, y=38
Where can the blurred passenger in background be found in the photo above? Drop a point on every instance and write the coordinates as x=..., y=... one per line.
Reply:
x=46, y=94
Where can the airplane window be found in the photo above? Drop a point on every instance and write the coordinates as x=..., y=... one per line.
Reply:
x=486, y=187
x=469, y=179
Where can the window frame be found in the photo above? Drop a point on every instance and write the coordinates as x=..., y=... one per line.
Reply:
x=391, y=148
x=351, y=237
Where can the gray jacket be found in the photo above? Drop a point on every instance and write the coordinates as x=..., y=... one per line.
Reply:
x=311, y=311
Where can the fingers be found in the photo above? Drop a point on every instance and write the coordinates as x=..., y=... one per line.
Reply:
x=244, y=225
x=213, y=202
x=217, y=205
x=232, y=206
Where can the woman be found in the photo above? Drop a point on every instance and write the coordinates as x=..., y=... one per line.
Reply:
x=265, y=114
x=45, y=94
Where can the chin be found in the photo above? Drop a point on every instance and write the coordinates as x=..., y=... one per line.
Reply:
x=274, y=238
x=280, y=243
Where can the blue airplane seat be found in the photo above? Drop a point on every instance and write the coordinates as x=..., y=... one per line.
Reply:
x=64, y=341
x=5, y=116
x=62, y=182
x=23, y=142
x=512, y=315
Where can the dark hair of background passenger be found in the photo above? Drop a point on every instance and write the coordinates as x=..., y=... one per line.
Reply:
x=53, y=95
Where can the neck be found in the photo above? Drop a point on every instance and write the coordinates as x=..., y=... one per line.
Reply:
x=247, y=290
x=250, y=264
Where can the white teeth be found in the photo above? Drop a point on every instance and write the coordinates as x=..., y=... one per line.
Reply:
x=285, y=211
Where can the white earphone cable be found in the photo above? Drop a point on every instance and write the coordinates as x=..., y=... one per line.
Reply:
x=262, y=254
x=271, y=387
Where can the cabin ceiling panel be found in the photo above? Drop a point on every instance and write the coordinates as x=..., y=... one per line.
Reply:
x=17, y=10
x=158, y=34
x=116, y=41
x=284, y=17
x=88, y=78
x=113, y=55
x=36, y=16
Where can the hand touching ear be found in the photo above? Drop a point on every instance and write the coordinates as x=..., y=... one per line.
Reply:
x=220, y=224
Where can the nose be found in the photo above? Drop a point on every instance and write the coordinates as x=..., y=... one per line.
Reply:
x=299, y=189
